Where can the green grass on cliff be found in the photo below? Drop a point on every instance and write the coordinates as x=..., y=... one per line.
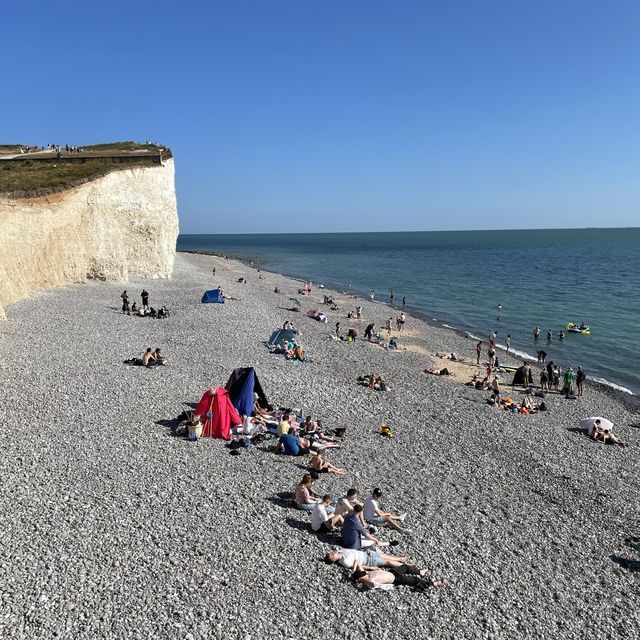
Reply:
x=28, y=177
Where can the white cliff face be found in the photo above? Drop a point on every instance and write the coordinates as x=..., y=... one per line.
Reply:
x=119, y=226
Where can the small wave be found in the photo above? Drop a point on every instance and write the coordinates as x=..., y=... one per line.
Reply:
x=517, y=354
x=617, y=387
x=448, y=326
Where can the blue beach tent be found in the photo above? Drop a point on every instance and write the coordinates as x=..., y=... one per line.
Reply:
x=215, y=295
x=244, y=387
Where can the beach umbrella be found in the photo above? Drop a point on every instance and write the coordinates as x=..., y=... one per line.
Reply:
x=590, y=424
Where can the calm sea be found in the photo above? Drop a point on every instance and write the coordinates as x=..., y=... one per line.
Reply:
x=543, y=277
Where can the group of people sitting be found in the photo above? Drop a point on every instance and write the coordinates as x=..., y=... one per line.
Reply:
x=375, y=382
x=149, y=312
x=150, y=358
x=358, y=524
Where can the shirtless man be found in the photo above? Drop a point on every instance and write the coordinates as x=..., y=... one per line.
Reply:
x=148, y=357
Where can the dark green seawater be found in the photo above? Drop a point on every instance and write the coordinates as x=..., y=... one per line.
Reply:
x=458, y=278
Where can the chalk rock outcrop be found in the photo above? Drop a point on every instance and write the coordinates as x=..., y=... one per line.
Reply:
x=122, y=225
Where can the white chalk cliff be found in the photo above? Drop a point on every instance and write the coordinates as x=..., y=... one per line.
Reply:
x=122, y=225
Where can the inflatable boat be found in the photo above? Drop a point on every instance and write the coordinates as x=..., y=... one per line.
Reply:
x=574, y=328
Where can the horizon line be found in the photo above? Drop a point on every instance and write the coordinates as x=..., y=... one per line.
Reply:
x=294, y=233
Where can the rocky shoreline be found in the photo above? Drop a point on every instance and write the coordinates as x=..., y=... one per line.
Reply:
x=115, y=528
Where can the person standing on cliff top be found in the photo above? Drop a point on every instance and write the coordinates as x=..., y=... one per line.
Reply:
x=145, y=299
x=125, y=301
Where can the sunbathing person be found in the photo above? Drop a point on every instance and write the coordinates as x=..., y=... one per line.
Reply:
x=449, y=356
x=374, y=515
x=320, y=464
x=346, y=504
x=304, y=496
x=148, y=358
x=606, y=436
x=321, y=520
x=404, y=575
x=379, y=384
x=291, y=445
x=159, y=357
x=354, y=535
x=370, y=557
x=439, y=372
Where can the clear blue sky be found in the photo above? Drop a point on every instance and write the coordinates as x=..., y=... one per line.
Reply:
x=341, y=115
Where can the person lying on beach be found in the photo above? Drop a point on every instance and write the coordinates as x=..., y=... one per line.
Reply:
x=374, y=515
x=439, y=372
x=321, y=520
x=373, y=382
x=354, y=535
x=292, y=445
x=320, y=464
x=304, y=497
x=450, y=356
x=404, y=575
x=472, y=383
x=370, y=557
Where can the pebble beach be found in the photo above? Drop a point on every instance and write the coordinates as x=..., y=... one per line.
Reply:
x=112, y=527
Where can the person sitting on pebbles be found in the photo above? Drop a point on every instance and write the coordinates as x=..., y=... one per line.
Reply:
x=320, y=464
x=606, y=436
x=354, y=535
x=321, y=520
x=304, y=496
x=374, y=515
x=370, y=557
x=404, y=575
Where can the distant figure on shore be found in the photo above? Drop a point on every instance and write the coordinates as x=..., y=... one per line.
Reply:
x=372, y=295
x=125, y=301
x=404, y=301
x=145, y=298
x=368, y=332
x=391, y=296
x=536, y=333
x=400, y=322
x=507, y=343
x=213, y=271
x=478, y=351
x=337, y=329
x=581, y=376
x=387, y=325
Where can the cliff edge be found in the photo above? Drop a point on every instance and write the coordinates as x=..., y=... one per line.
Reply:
x=121, y=225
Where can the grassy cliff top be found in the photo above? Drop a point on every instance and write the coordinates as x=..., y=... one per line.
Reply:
x=28, y=172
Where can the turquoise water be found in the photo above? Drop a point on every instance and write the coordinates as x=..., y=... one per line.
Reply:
x=458, y=278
